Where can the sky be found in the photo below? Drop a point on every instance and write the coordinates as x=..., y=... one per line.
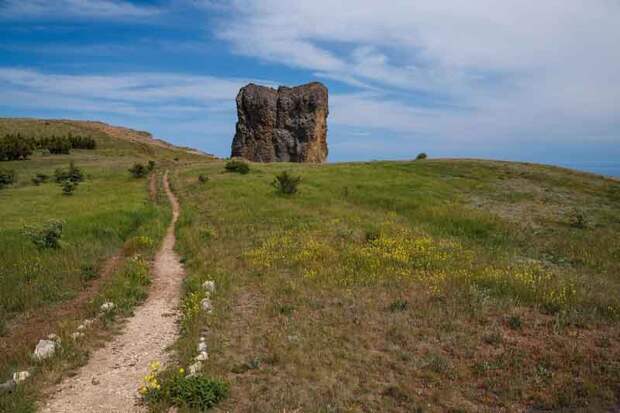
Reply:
x=513, y=79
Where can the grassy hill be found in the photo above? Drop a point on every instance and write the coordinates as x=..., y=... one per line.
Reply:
x=432, y=285
x=47, y=290
x=437, y=285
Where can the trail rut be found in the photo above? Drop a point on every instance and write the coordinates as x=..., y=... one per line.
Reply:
x=109, y=382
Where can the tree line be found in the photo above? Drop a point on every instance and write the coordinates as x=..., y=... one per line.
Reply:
x=15, y=147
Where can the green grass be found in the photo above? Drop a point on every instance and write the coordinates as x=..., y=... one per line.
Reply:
x=110, y=213
x=307, y=286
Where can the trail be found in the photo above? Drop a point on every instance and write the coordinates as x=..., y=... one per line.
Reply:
x=109, y=382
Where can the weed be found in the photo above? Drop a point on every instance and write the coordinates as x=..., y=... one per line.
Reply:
x=286, y=184
x=7, y=177
x=514, y=322
x=238, y=166
x=138, y=170
x=398, y=305
x=46, y=236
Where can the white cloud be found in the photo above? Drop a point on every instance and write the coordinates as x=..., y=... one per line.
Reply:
x=503, y=70
x=100, y=9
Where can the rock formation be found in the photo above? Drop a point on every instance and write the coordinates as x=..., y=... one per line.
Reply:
x=284, y=125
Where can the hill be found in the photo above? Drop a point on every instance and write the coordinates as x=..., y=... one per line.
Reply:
x=435, y=285
x=429, y=285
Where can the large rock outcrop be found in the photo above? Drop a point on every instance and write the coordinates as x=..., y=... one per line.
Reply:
x=284, y=125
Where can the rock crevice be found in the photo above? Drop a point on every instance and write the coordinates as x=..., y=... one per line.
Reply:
x=283, y=125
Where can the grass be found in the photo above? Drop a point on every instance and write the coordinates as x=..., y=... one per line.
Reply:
x=110, y=214
x=443, y=285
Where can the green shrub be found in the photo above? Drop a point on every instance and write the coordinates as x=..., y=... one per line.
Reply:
x=68, y=186
x=202, y=178
x=73, y=174
x=46, y=236
x=237, y=166
x=82, y=142
x=7, y=177
x=578, y=219
x=15, y=147
x=195, y=392
x=285, y=183
x=39, y=178
x=421, y=155
x=151, y=165
x=138, y=170
x=58, y=145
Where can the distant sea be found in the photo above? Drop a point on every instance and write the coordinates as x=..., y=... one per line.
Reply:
x=601, y=168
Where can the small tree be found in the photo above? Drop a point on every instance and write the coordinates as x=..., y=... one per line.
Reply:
x=237, y=166
x=138, y=170
x=285, y=183
x=421, y=156
x=58, y=145
x=46, y=236
x=15, y=147
x=7, y=177
x=68, y=186
x=73, y=174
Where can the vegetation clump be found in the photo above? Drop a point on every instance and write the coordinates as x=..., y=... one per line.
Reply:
x=285, y=183
x=578, y=219
x=46, y=236
x=7, y=177
x=138, y=170
x=203, y=178
x=238, y=166
x=421, y=155
x=40, y=178
x=73, y=173
x=15, y=148
x=68, y=186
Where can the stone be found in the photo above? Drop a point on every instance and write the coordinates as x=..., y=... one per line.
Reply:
x=209, y=286
x=107, y=306
x=77, y=335
x=205, y=303
x=283, y=125
x=21, y=376
x=202, y=346
x=44, y=349
x=195, y=368
x=202, y=356
x=7, y=387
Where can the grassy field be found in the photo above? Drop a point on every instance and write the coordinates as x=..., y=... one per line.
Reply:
x=112, y=226
x=405, y=286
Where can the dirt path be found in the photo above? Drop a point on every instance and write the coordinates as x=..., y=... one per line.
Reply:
x=109, y=382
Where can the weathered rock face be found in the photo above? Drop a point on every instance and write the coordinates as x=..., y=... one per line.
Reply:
x=284, y=125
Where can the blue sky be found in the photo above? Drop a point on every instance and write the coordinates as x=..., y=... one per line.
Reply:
x=516, y=79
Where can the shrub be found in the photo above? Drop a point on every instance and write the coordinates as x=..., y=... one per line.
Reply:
x=197, y=392
x=151, y=165
x=514, y=322
x=421, y=155
x=68, y=186
x=15, y=147
x=138, y=170
x=202, y=178
x=39, y=178
x=82, y=142
x=7, y=177
x=46, y=236
x=578, y=219
x=58, y=145
x=237, y=166
x=73, y=174
x=285, y=183
x=398, y=305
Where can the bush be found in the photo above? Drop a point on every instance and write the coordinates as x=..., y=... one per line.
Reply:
x=197, y=392
x=15, y=147
x=286, y=184
x=7, y=177
x=39, y=178
x=73, y=174
x=138, y=170
x=46, y=236
x=421, y=155
x=82, y=142
x=578, y=219
x=237, y=166
x=203, y=179
x=151, y=165
x=58, y=145
x=68, y=186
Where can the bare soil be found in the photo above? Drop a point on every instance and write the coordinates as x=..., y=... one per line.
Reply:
x=109, y=382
